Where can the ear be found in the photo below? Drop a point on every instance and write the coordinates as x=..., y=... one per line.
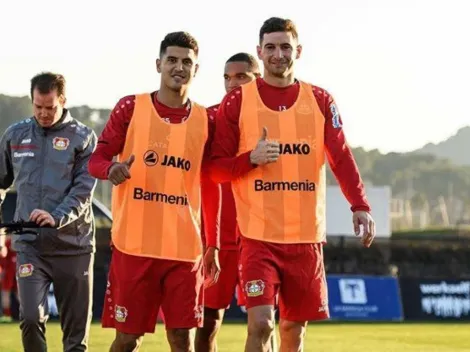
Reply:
x=298, y=51
x=62, y=100
x=159, y=66
x=196, y=68
x=258, y=51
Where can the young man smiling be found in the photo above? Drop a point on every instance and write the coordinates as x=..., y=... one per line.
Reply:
x=271, y=139
x=161, y=140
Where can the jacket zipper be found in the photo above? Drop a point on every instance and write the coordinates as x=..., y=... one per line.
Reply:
x=43, y=157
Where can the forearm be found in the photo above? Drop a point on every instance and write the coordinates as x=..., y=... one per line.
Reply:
x=227, y=169
x=349, y=179
x=6, y=167
x=99, y=168
x=344, y=168
x=226, y=165
x=99, y=165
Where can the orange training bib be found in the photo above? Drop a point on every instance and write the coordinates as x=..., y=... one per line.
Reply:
x=284, y=201
x=156, y=213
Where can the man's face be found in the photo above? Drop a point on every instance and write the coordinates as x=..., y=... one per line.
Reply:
x=178, y=67
x=278, y=51
x=47, y=108
x=236, y=74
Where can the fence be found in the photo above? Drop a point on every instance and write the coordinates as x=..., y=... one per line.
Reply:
x=395, y=279
x=404, y=257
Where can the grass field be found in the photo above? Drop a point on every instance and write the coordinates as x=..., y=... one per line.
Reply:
x=320, y=338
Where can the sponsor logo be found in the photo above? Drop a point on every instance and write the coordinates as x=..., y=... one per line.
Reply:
x=462, y=288
x=254, y=288
x=305, y=186
x=120, y=314
x=151, y=158
x=23, y=154
x=60, y=143
x=141, y=194
x=26, y=141
x=446, y=300
x=295, y=148
x=352, y=291
x=25, y=270
x=175, y=161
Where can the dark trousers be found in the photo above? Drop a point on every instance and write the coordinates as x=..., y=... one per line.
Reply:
x=72, y=278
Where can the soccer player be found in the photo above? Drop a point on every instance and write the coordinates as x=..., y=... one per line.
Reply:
x=46, y=156
x=239, y=69
x=161, y=141
x=270, y=141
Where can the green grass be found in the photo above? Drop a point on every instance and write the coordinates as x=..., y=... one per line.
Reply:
x=337, y=337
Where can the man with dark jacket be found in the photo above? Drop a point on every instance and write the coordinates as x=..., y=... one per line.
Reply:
x=46, y=157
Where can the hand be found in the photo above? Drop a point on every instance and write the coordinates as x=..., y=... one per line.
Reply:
x=211, y=266
x=42, y=218
x=368, y=225
x=265, y=151
x=119, y=172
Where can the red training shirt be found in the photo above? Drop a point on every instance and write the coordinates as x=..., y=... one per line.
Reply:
x=228, y=215
x=226, y=166
x=112, y=139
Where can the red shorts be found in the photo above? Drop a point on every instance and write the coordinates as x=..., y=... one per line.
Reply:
x=220, y=295
x=241, y=301
x=138, y=287
x=294, y=271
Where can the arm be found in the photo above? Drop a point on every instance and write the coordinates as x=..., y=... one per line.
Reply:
x=6, y=175
x=226, y=165
x=112, y=139
x=6, y=167
x=211, y=196
x=340, y=157
x=81, y=193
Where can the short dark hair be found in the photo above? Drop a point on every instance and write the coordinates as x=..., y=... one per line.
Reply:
x=181, y=39
x=46, y=82
x=277, y=24
x=245, y=57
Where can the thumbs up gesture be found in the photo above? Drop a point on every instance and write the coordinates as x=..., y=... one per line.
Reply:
x=119, y=172
x=266, y=151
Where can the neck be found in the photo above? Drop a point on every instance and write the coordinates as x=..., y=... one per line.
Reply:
x=171, y=98
x=279, y=81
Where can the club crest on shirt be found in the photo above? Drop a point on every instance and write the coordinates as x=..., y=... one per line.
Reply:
x=254, y=288
x=335, y=116
x=120, y=314
x=25, y=270
x=60, y=143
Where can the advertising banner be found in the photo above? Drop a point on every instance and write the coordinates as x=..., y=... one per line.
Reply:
x=367, y=298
